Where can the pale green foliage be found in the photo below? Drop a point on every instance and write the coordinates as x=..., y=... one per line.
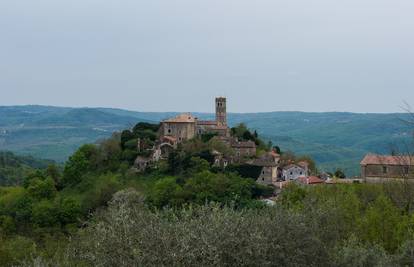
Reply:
x=130, y=235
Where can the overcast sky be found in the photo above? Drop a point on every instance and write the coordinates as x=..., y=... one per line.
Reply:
x=176, y=55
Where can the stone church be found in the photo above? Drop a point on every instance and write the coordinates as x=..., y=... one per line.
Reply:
x=185, y=126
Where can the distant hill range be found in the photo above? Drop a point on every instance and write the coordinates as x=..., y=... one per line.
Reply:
x=333, y=139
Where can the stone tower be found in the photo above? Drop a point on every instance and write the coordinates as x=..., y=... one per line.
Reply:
x=221, y=111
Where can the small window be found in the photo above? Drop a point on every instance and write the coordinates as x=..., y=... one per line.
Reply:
x=291, y=173
x=263, y=172
x=384, y=170
x=262, y=179
x=169, y=130
x=301, y=173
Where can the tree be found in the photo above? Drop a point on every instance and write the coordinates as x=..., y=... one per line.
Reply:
x=382, y=224
x=126, y=135
x=53, y=172
x=42, y=189
x=166, y=192
x=69, y=211
x=340, y=174
x=45, y=214
x=83, y=161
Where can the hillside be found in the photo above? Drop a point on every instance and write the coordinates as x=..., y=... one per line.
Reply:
x=333, y=139
x=13, y=168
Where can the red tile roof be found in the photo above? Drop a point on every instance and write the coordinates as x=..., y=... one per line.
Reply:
x=182, y=118
x=310, y=180
x=372, y=159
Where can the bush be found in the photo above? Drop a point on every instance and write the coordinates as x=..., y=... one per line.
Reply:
x=131, y=235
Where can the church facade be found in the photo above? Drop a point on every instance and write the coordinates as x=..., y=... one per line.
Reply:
x=185, y=126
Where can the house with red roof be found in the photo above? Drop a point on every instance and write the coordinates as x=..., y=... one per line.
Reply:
x=383, y=168
x=310, y=180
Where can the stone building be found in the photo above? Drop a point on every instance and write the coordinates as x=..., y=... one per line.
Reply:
x=243, y=149
x=219, y=126
x=182, y=127
x=270, y=172
x=185, y=126
x=379, y=168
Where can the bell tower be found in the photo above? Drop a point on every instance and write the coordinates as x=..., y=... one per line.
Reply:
x=221, y=111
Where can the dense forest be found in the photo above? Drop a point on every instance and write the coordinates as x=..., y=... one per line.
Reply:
x=98, y=210
x=13, y=168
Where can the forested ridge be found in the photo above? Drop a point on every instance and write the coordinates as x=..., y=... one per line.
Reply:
x=98, y=210
x=333, y=139
x=13, y=168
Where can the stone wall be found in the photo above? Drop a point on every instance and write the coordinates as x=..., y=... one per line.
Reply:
x=182, y=131
x=380, y=172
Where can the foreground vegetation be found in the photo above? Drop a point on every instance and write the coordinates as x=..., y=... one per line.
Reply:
x=346, y=225
x=99, y=211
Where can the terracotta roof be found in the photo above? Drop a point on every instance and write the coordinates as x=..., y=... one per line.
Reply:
x=207, y=123
x=310, y=180
x=182, y=118
x=372, y=159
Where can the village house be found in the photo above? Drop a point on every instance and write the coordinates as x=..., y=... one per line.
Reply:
x=294, y=171
x=270, y=172
x=243, y=149
x=182, y=127
x=185, y=127
x=379, y=168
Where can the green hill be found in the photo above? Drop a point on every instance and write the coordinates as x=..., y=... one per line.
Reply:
x=333, y=139
x=13, y=168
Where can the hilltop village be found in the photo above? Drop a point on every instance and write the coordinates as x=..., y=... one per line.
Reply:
x=269, y=169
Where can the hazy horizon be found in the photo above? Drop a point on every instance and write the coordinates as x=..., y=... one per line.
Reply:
x=176, y=56
x=211, y=112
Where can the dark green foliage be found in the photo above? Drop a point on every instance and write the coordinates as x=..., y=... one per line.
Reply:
x=204, y=187
x=263, y=191
x=340, y=174
x=205, y=137
x=143, y=126
x=45, y=214
x=69, y=210
x=13, y=169
x=126, y=136
x=79, y=164
x=245, y=170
